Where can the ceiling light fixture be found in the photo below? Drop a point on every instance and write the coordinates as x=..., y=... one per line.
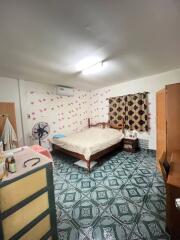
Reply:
x=87, y=62
x=93, y=69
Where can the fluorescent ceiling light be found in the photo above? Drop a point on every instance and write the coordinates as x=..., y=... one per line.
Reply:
x=87, y=63
x=96, y=68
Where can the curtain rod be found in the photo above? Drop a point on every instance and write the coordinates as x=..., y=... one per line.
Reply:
x=128, y=95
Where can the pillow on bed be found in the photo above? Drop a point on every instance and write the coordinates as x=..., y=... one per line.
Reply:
x=57, y=136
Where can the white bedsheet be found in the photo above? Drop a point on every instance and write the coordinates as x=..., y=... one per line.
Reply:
x=90, y=141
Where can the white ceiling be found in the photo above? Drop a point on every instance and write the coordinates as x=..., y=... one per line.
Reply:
x=43, y=40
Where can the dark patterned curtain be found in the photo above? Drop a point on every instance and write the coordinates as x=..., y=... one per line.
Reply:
x=116, y=110
x=136, y=112
x=133, y=109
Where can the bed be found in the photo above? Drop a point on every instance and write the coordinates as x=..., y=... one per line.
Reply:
x=92, y=143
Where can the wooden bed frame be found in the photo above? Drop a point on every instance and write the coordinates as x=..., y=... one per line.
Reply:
x=99, y=154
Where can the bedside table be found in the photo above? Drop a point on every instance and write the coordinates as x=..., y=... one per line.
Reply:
x=130, y=144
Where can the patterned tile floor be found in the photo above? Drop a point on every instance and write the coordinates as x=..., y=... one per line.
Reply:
x=122, y=198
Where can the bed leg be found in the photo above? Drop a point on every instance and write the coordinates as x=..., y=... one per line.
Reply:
x=88, y=166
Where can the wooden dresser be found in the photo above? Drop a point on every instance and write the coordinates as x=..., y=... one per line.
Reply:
x=27, y=205
x=172, y=193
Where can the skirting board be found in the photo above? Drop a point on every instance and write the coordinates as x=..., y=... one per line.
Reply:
x=83, y=164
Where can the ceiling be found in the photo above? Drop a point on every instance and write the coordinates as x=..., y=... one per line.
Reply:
x=44, y=40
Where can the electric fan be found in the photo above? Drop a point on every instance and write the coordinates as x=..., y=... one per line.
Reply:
x=40, y=131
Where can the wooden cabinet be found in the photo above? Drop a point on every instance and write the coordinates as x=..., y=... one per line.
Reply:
x=173, y=193
x=160, y=124
x=168, y=120
x=130, y=145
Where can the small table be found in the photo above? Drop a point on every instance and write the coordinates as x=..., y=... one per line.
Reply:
x=131, y=144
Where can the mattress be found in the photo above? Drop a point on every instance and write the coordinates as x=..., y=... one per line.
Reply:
x=90, y=141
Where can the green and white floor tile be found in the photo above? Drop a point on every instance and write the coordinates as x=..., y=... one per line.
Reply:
x=122, y=198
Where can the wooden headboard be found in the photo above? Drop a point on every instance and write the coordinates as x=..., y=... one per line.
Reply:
x=106, y=124
x=120, y=125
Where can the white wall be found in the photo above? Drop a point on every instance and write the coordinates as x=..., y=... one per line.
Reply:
x=9, y=93
x=96, y=101
x=25, y=88
x=64, y=114
x=151, y=84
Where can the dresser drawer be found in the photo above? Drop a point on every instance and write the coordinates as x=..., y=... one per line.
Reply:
x=14, y=193
x=37, y=232
x=19, y=219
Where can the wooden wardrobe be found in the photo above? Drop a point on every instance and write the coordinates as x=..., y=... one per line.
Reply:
x=168, y=120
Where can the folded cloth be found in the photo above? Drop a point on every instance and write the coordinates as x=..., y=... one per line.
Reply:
x=58, y=136
x=9, y=136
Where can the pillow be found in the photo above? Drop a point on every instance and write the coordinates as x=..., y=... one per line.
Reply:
x=58, y=136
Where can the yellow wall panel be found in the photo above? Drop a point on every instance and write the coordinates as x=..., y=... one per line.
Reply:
x=15, y=222
x=15, y=192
